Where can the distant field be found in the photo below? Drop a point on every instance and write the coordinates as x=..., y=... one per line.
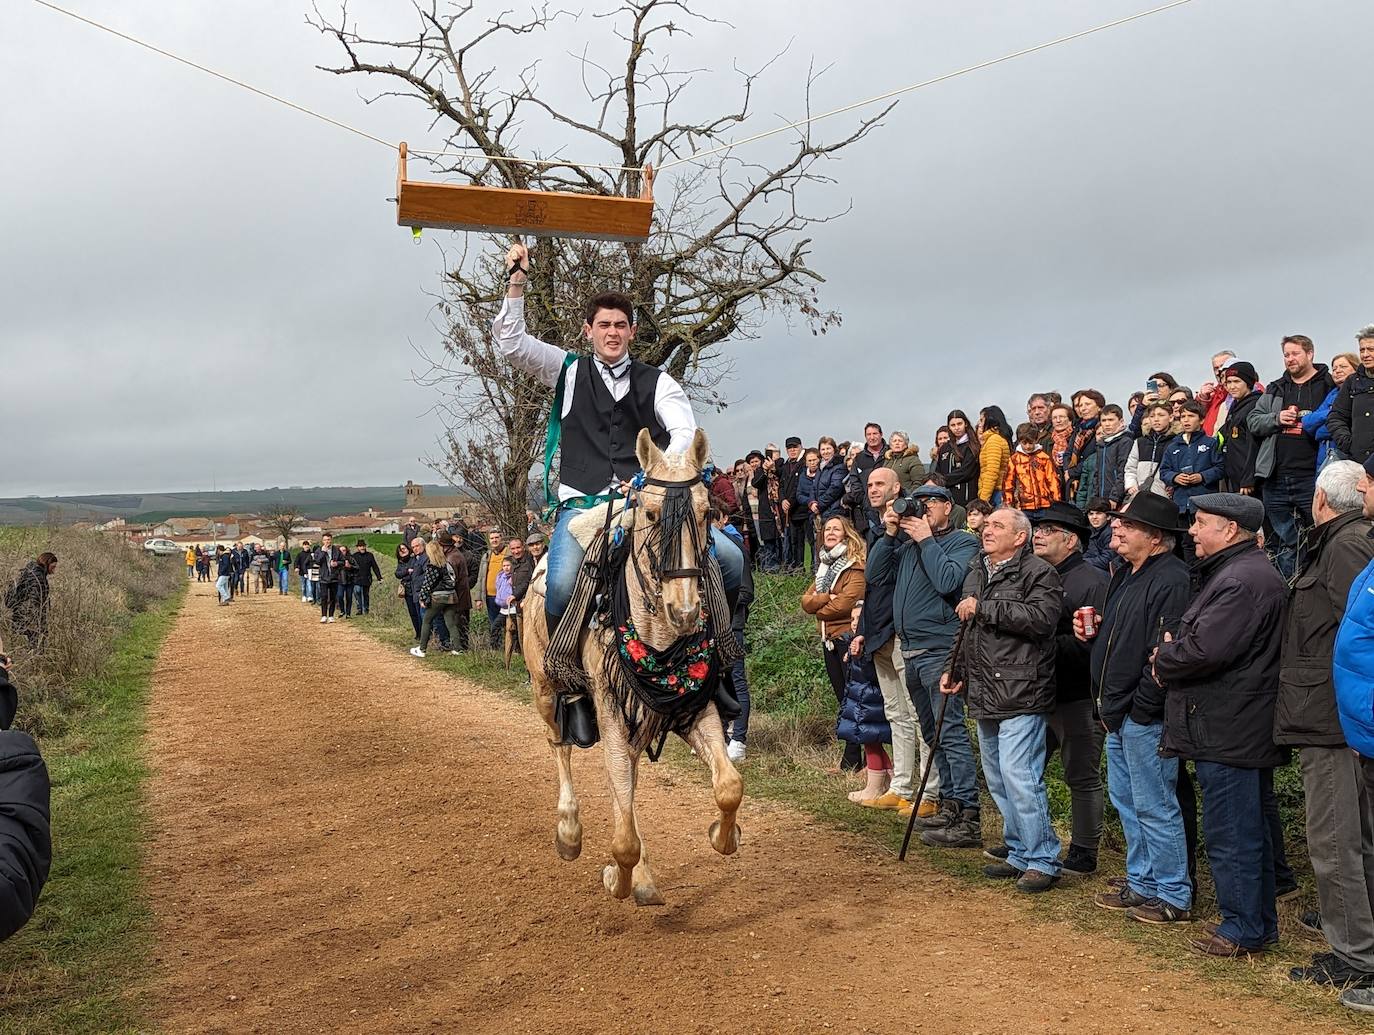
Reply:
x=318, y=502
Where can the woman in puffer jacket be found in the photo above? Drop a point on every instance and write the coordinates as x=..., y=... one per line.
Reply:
x=905, y=461
x=994, y=453
x=829, y=491
x=836, y=591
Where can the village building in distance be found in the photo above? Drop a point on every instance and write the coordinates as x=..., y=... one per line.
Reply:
x=250, y=529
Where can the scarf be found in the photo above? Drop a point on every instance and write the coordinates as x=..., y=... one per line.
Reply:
x=832, y=564
x=1060, y=441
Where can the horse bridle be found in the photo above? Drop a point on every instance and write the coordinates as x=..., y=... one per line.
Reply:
x=675, y=572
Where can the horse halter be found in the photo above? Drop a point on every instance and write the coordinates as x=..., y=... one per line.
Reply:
x=675, y=573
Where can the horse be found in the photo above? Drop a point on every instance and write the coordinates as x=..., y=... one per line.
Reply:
x=663, y=582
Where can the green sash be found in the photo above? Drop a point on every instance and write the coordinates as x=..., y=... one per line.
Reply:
x=555, y=433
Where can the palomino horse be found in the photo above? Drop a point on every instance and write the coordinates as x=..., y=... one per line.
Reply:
x=665, y=604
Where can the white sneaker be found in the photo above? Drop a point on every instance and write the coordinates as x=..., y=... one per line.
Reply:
x=417, y=652
x=303, y=598
x=323, y=619
x=331, y=619
x=734, y=751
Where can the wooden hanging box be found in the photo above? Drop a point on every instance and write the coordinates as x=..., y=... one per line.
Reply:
x=451, y=206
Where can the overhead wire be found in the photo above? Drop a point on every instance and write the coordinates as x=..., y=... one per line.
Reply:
x=695, y=156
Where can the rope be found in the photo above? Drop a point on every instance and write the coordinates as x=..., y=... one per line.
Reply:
x=217, y=75
x=696, y=156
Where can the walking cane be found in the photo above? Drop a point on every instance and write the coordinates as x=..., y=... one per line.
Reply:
x=954, y=653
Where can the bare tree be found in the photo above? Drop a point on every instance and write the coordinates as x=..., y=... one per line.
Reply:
x=284, y=519
x=729, y=242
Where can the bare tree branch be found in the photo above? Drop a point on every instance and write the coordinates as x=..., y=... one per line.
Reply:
x=731, y=243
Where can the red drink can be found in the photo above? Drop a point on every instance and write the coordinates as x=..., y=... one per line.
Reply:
x=1088, y=616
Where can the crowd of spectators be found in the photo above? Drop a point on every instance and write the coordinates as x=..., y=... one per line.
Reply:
x=1165, y=582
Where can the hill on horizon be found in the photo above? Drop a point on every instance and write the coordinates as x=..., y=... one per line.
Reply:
x=315, y=502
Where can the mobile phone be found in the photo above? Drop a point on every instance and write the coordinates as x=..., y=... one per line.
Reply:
x=1152, y=385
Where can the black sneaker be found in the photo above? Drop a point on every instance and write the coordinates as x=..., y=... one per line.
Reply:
x=1001, y=871
x=1311, y=922
x=1327, y=968
x=997, y=853
x=1079, y=861
x=965, y=832
x=947, y=814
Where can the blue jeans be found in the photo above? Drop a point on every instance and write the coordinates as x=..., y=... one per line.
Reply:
x=284, y=581
x=1238, y=849
x=312, y=590
x=1288, y=506
x=954, y=757
x=1013, y=753
x=222, y=587
x=1144, y=789
x=565, y=560
x=740, y=727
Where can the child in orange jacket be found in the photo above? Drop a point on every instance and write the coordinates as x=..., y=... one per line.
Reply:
x=1031, y=481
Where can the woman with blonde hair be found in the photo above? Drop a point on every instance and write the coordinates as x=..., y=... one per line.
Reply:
x=439, y=598
x=833, y=598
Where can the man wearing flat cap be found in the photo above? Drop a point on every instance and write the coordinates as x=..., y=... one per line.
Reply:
x=1059, y=532
x=1148, y=594
x=1220, y=674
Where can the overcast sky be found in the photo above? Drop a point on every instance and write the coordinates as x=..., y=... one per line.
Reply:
x=200, y=287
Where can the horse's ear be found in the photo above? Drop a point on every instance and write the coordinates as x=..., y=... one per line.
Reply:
x=699, y=452
x=649, y=454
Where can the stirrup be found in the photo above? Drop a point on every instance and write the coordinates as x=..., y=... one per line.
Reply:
x=576, y=719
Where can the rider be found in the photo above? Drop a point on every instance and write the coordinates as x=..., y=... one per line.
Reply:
x=606, y=401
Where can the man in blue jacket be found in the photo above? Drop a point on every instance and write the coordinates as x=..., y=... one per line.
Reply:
x=926, y=561
x=1192, y=464
x=224, y=574
x=25, y=825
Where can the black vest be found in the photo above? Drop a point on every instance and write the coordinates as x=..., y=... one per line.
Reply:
x=599, y=434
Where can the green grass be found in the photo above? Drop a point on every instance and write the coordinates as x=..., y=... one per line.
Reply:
x=76, y=964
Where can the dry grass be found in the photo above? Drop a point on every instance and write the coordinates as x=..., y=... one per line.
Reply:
x=99, y=586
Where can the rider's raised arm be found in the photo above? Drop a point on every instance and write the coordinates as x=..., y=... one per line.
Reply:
x=525, y=351
x=674, y=412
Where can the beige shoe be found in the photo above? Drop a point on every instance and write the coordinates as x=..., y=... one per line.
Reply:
x=875, y=787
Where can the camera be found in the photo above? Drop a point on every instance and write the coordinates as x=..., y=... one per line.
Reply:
x=909, y=506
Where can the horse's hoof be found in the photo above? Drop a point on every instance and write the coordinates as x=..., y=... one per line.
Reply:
x=648, y=896
x=610, y=876
x=723, y=845
x=567, y=851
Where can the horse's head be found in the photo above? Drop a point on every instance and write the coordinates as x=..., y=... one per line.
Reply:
x=670, y=533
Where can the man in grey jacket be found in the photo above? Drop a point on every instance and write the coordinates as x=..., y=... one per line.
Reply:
x=1340, y=815
x=1012, y=600
x=1287, y=459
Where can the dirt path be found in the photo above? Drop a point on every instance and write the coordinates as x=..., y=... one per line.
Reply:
x=349, y=841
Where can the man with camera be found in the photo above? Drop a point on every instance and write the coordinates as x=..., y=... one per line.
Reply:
x=926, y=561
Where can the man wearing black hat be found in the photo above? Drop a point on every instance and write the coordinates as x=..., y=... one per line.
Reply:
x=794, y=515
x=1220, y=674
x=1146, y=596
x=1060, y=531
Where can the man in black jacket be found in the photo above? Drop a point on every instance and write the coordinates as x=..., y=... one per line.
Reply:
x=1147, y=596
x=1340, y=815
x=794, y=515
x=1220, y=675
x=303, y=566
x=25, y=819
x=365, y=569
x=1351, y=422
x=1012, y=600
x=329, y=559
x=1060, y=530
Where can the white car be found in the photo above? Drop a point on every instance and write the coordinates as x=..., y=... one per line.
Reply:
x=163, y=547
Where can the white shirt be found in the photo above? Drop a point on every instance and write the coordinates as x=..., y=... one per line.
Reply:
x=544, y=361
